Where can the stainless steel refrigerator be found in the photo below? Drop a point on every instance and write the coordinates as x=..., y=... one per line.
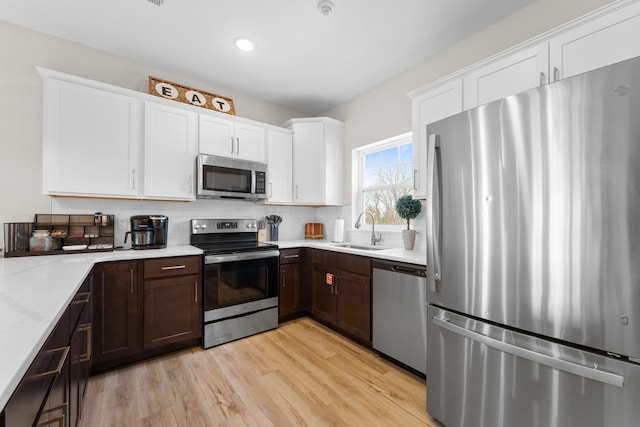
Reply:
x=533, y=257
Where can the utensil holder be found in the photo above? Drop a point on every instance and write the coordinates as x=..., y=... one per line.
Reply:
x=273, y=230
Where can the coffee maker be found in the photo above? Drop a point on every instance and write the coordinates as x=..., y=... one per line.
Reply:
x=148, y=231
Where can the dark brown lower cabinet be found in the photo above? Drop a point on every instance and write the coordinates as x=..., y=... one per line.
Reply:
x=51, y=392
x=145, y=308
x=289, y=290
x=342, y=292
x=172, y=310
x=117, y=312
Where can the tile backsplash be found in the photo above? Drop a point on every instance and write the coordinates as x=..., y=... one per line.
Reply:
x=180, y=214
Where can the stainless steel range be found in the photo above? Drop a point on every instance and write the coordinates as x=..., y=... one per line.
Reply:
x=240, y=284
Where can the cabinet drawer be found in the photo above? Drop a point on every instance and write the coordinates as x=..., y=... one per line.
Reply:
x=288, y=256
x=346, y=262
x=166, y=267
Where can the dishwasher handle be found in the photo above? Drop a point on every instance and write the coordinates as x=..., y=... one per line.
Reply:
x=410, y=269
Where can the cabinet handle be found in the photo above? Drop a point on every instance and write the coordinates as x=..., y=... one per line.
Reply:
x=271, y=189
x=195, y=291
x=86, y=327
x=297, y=191
x=131, y=272
x=542, y=78
x=83, y=298
x=238, y=145
x=284, y=278
x=556, y=74
x=291, y=256
x=64, y=351
x=415, y=185
x=174, y=267
x=231, y=145
x=61, y=421
x=190, y=184
x=133, y=179
x=335, y=291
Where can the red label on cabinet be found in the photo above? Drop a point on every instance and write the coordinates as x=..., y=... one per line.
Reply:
x=329, y=279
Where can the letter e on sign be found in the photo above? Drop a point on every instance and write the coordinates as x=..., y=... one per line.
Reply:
x=329, y=278
x=167, y=91
x=221, y=105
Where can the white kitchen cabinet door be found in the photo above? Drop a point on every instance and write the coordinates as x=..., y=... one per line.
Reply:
x=91, y=141
x=279, y=167
x=170, y=150
x=250, y=144
x=229, y=138
x=317, y=161
x=429, y=106
x=603, y=41
x=217, y=136
x=507, y=76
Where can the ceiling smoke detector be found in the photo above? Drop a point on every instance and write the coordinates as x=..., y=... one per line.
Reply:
x=325, y=7
x=156, y=2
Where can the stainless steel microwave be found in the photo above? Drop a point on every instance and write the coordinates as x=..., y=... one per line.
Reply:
x=223, y=178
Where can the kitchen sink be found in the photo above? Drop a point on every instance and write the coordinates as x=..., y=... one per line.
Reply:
x=360, y=246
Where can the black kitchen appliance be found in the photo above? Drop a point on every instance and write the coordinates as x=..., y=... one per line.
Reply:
x=240, y=279
x=148, y=231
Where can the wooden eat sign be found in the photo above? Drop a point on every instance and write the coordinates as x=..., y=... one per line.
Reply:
x=188, y=95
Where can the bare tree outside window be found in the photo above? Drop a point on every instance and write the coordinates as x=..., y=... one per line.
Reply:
x=386, y=173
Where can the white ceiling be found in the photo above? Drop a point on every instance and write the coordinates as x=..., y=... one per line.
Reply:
x=304, y=60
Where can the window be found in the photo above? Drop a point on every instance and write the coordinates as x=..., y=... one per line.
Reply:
x=384, y=173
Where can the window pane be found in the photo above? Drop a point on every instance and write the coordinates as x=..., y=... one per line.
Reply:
x=372, y=161
x=390, y=156
x=372, y=177
x=405, y=173
x=406, y=153
x=382, y=204
x=389, y=175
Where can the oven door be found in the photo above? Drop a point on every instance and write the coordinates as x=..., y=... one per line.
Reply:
x=240, y=278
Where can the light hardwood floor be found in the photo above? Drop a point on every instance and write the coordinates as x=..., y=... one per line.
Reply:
x=301, y=374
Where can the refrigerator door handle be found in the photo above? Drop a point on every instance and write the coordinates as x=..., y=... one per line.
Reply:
x=433, y=193
x=591, y=373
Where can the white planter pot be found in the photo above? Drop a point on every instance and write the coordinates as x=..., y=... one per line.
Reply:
x=409, y=239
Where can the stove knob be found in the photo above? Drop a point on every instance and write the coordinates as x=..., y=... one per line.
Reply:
x=196, y=226
x=203, y=226
x=248, y=225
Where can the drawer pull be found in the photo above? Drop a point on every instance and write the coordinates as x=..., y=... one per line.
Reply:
x=86, y=328
x=61, y=421
x=83, y=298
x=64, y=353
x=174, y=267
x=195, y=291
x=291, y=256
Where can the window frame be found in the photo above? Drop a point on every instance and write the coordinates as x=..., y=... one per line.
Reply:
x=358, y=155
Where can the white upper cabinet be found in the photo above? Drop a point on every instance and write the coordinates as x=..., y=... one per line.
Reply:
x=279, y=167
x=91, y=141
x=231, y=138
x=428, y=107
x=608, y=39
x=507, y=76
x=170, y=149
x=317, y=161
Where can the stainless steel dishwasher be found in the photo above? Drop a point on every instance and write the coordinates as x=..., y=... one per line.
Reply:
x=400, y=312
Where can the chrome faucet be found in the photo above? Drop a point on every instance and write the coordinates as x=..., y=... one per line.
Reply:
x=374, y=239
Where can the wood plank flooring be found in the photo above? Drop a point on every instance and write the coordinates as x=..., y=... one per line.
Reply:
x=301, y=374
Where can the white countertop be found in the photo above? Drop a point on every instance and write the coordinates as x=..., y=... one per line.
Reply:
x=390, y=254
x=35, y=291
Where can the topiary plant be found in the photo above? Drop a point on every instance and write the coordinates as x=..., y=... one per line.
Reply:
x=408, y=208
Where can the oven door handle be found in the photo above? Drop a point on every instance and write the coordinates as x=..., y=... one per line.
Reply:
x=245, y=256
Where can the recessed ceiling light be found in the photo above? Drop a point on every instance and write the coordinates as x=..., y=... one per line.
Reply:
x=244, y=44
